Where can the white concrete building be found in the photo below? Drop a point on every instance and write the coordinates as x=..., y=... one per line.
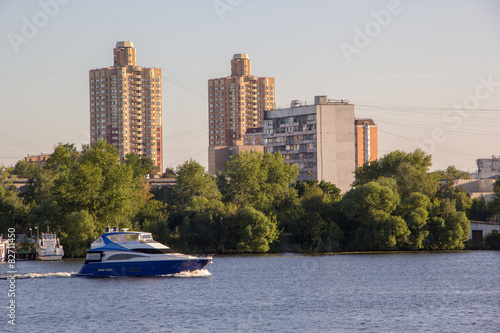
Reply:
x=479, y=229
x=477, y=188
x=318, y=139
x=488, y=167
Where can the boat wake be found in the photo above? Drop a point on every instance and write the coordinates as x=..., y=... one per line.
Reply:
x=197, y=273
x=37, y=275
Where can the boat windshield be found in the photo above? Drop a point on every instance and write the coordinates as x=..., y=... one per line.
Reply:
x=131, y=237
x=125, y=237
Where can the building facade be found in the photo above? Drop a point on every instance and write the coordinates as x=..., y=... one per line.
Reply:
x=126, y=106
x=37, y=159
x=236, y=104
x=318, y=139
x=488, y=167
x=366, y=141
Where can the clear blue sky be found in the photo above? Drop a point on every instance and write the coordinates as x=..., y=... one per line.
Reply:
x=427, y=72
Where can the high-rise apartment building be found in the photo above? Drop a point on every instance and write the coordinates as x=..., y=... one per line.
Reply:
x=236, y=104
x=318, y=139
x=126, y=106
x=366, y=141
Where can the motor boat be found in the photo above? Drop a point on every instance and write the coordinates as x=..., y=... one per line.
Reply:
x=132, y=253
x=49, y=248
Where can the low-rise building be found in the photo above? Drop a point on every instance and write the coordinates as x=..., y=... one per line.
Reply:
x=477, y=188
x=37, y=159
x=480, y=229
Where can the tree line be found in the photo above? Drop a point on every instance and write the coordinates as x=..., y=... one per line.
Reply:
x=254, y=205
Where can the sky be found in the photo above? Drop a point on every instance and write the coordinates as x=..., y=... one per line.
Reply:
x=427, y=72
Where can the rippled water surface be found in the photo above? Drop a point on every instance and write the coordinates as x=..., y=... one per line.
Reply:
x=403, y=292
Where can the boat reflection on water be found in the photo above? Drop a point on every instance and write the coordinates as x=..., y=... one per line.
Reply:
x=131, y=253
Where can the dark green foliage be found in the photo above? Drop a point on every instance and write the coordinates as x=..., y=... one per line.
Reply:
x=370, y=207
x=24, y=169
x=99, y=184
x=479, y=210
x=140, y=165
x=39, y=186
x=448, y=228
x=315, y=228
x=256, y=230
x=451, y=173
x=169, y=173
x=12, y=209
x=414, y=212
x=492, y=240
x=153, y=217
x=77, y=233
x=194, y=184
x=494, y=206
x=257, y=180
x=409, y=170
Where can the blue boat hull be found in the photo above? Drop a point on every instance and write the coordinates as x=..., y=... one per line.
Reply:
x=141, y=268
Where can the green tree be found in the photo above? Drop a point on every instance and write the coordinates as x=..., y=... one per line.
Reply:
x=413, y=210
x=62, y=159
x=494, y=205
x=169, y=173
x=479, y=210
x=410, y=170
x=451, y=173
x=256, y=179
x=12, y=209
x=369, y=207
x=77, y=233
x=315, y=229
x=24, y=169
x=492, y=240
x=257, y=230
x=153, y=217
x=98, y=184
x=448, y=228
x=140, y=165
x=193, y=181
x=46, y=215
x=39, y=187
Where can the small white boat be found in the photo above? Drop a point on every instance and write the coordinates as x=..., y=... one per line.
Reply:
x=49, y=248
x=4, y=247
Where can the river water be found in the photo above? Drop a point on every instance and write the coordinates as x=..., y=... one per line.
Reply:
x=399, y=292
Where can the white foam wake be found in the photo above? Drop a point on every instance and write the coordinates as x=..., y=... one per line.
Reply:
x=37, y=275
x=197, y=273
